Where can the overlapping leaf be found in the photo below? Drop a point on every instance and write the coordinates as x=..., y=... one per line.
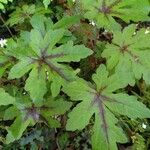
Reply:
x=129, y=54
x=99, y=99
x=29, y=114
x=46, y=60
x=104, y=11
x=25, y=12
x=25, y=113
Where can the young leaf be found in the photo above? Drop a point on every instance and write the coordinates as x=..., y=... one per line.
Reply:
x=129, y=54
x=99, y=99
x=104, y=11
x=46, y=60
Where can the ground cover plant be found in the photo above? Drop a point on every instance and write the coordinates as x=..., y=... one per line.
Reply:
x=75, y=74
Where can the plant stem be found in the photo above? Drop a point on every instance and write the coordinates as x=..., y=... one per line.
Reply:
x=1, y=18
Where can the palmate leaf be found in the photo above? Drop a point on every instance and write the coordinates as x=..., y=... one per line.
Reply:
x=45, y=59
x=24, y=13
x=29, y=115
x=99, y=99
x=104, y=11
x=25, y=113
x=129, y=54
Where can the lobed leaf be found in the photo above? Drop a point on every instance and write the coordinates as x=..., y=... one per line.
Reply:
x=129, y=54
x=46, y=60
x=104, y=11
x=102, y=101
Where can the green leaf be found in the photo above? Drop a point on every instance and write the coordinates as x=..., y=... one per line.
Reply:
x=101, y=138
x=51, y=38
x=20, y=68
x=16, y=130
x=68, y=52
x=46, y=59
x=4, y=63
x=46, y=3
x=26, y=113
x=54, y=107
x=67, y=22
x=102, y=101
x=53, y=123
x=129, y=54
x=11, y=113
x=21, y=14
x=36, y=37
x=104, y=11
x=5, y=98
x=56, y=85
x=36, y=84
x=2, y=2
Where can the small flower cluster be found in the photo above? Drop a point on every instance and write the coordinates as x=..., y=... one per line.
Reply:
x=147, y=30
x=3, y=42
x=144, y=126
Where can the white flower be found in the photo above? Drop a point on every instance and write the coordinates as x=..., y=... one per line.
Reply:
x=134, y=33
x=147, y=31
x=144, y=126
x=3, y=42
x=92, y=23
x=24, y=93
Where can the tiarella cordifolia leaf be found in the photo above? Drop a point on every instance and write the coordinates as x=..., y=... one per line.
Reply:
x=104, y=11
x=26, y=113
x=45, y=59
x=101, y=101
x=129, y=54
x=20, y=15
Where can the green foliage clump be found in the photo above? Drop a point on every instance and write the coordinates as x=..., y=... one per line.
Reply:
x=4, y=2
x=75, y=74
